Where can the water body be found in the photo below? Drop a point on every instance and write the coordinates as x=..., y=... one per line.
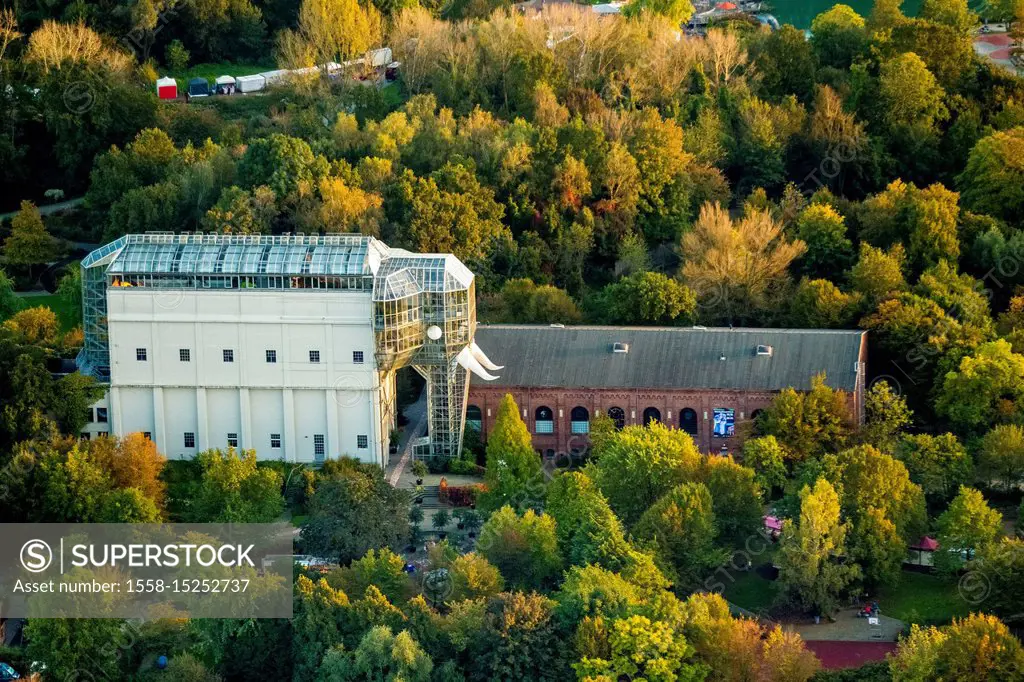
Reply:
x=800, y=13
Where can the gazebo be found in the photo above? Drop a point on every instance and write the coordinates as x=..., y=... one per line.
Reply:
x=198, y=87
x=225, y=85
x=922, y=552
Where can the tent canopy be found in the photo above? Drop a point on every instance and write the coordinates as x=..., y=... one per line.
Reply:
x=166, y=81
x=198, y=86
x=927, y=544
x=225, y=80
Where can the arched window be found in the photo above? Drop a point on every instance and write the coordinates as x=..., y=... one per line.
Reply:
x=544, y=420
x=688, y=421
x=580, y=420
x=474, y=417
x=618, y=415
x=652, y=414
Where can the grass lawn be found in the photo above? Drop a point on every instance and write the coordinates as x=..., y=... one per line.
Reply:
x=749, y=590
x=211, y=71
x=299, y=519
x=65, y=314
x=923, y=598
x=392, y=93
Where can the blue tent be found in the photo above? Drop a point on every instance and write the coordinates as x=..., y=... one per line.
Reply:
x=198, y=87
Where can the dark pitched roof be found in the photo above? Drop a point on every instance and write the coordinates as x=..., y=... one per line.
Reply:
x=659, y=357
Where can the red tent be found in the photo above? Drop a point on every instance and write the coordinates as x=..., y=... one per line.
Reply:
x=167, y=88
x=926, y=544
x=726, y=5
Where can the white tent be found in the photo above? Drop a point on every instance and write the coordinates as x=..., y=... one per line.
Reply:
x=380, y=58
x=225, y=80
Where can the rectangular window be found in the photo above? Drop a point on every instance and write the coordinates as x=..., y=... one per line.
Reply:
x=85, y=435
x=271, y=356
x=362, y=442
x=580, y=427
x=233, y=440
x=101, y=415
x=89, y=417
x=148, y=435
x=140, y=354
x=185, y=355
x=229, y=355
x=190, y=439
x=357, y=357
x=275, y=440
x=318, y=444
x=314, y=356
x=543, y=426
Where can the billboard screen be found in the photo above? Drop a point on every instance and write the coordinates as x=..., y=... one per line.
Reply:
x=725, y=422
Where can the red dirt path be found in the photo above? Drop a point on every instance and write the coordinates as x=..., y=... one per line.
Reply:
x=835, y=655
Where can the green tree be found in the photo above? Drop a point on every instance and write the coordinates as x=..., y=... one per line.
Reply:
x=807, y=424
x=736, y=496
x=233, y=489
x=767, y=457
x=70, y=647
x=820, y=304
x=939, y=464
x=354, y=509
x=878, y=274
x=383, y=569
x=786, y=62
x=524, y=548
x=992, y=182
x=70, y=290
x=1001, y=456
x=474, y=577
x=513, y=471
x=1001, y=564
x=812, y=574
x=681, y=526
x=643, y=649
x=385, y=657
x=638, y=465
x=676, y=11
x=9, y=302
x=647, y=298
x=967, y=525
x=823, y=230
x=337, y=30
x=29, y=244
x=283, y=164
x=887, y=415
x=315, y=623
x=985, y=388
x=839, y=36
x=176, y=57
x=518, y=640
x=908, y=94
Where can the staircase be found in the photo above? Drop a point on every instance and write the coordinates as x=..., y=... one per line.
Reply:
x=431, y=498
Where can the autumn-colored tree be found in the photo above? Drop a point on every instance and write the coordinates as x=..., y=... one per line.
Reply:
x=37, y=326
x=132, y=461
x=29, y=244
x=808, y=424
x=736, y=267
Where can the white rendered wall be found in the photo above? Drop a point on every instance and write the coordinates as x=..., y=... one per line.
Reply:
x=211, y=398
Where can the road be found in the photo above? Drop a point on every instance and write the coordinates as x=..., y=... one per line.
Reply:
x=49, y=208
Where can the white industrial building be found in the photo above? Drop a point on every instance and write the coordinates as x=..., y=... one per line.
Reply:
x=287, y=345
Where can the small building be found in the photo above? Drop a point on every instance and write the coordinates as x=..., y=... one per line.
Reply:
x=198, y=87
x=167, y=88
x=709, y=382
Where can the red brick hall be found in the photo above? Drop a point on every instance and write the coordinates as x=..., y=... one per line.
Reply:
x=706, y=381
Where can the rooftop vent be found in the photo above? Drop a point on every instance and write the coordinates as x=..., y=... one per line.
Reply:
x=619, y=347
x=764, y=350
